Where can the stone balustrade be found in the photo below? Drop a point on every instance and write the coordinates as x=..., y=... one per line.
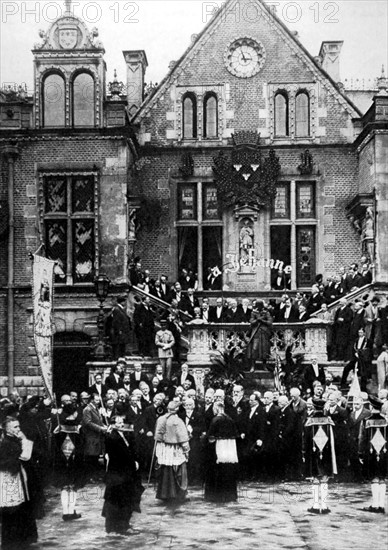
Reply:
x=309, y=339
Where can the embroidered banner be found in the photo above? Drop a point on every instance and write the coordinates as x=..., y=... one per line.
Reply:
x=42, y=296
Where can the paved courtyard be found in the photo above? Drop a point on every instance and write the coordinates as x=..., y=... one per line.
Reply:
x=266, y=516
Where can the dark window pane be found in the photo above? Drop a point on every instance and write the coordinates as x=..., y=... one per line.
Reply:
x=305, y=200
x=212, y=255
x=210, y=112
x=281, y=203
x=56, y=247
x=305, y=255
x=83, y=194
x=55, y=194
x=281, y=251
x=83, y=100
x=281, y=115
x=188, y=248
x=302, y=115
x=187, y=202
x=189, y=117
x=210, y=203
x=83, y=251
x=53, y=101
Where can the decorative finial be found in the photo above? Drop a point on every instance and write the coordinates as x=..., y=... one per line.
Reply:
x=115, y=75
x=382, y=83
x=68, y=6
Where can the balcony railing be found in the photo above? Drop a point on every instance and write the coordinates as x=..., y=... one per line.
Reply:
x=309, y=339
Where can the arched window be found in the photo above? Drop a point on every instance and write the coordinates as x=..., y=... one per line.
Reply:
x=302, y=114
x=83, y=100
x=281, y=114
x=210, y=113
x=53, y=100
x=189, y=116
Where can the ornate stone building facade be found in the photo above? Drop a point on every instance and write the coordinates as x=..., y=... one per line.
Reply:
x=248, y=156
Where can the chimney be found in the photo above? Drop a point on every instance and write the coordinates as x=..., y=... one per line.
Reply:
x=330, y=55
x=137, y=63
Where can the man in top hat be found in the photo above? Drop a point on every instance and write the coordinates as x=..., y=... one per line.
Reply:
x=374, y=453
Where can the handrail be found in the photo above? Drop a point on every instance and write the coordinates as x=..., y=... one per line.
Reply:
x=352, y=296
x=157, y=301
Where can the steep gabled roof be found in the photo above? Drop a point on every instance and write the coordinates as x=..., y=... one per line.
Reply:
x=289, y=38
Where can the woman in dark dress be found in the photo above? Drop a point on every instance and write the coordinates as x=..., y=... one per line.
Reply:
x=222, y=463
x=123, y=483
x=18, y=529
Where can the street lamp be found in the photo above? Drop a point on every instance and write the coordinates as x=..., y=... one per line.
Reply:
x=101, y=287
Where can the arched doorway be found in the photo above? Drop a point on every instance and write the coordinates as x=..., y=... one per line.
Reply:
x=71, y=353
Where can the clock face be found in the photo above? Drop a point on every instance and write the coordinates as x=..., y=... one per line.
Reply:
x=244, y=57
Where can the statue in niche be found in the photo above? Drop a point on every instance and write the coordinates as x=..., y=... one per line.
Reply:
x=246, y=239
x=368, y=234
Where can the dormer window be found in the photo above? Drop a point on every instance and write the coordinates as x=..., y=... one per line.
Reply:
x=53, y=93
x=302, y=114
x=189, y=116
x=83, y=100
x=210, y=113
x=281, y=114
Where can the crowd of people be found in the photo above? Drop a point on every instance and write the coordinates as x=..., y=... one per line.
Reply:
x=176, y=434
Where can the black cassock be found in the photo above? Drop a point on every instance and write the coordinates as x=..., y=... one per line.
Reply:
x=123, y=483
x=221, y=476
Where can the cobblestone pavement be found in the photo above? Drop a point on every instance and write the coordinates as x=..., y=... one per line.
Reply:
x=268, y=517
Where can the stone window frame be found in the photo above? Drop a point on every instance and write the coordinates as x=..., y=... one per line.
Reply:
x=292, y=90
x=41, y=209
x=200, y=92
x=69, y=74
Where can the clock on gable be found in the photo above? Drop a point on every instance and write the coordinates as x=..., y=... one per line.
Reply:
x=244, y=57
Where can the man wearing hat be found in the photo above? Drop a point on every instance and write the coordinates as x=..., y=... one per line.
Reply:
x=118, y=327
x=164, y=341
x=172, y=451
x=374, y=454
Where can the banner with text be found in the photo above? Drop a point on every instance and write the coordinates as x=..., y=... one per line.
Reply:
x=42, y=296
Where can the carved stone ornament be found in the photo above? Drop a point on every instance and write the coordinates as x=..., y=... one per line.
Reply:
x=306, y=166
x=244, y=178
x=187, y=167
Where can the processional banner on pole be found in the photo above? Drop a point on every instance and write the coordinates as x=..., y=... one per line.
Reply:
x=42, y=296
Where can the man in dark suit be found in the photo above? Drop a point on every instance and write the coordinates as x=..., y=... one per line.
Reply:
x=98, y=386
x=254, y=436
x=233, y=314
x=271, y=435
x=135, y=273
x=312, y=373
x=118, y=327
x=362, y=359
x=143, y=319
x=302, y=315
x=189, y=302
x=288, y=314
x=157, y=291
x=165, y=288
x=288, y=427
x=358, y=321
x=195, y=426
x=245, y=310
x=279, y=281
x=137, y=376
x=353, y=279
x=217, y=312
x=299, y=406
x=342, y=321
x=115, y=379
x=176, y=294
x=357, y=415
x=208, y=411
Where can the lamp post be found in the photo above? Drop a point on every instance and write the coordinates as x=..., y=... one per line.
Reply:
x=101, y=286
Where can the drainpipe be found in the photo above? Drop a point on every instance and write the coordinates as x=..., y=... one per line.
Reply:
x=10, y=153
